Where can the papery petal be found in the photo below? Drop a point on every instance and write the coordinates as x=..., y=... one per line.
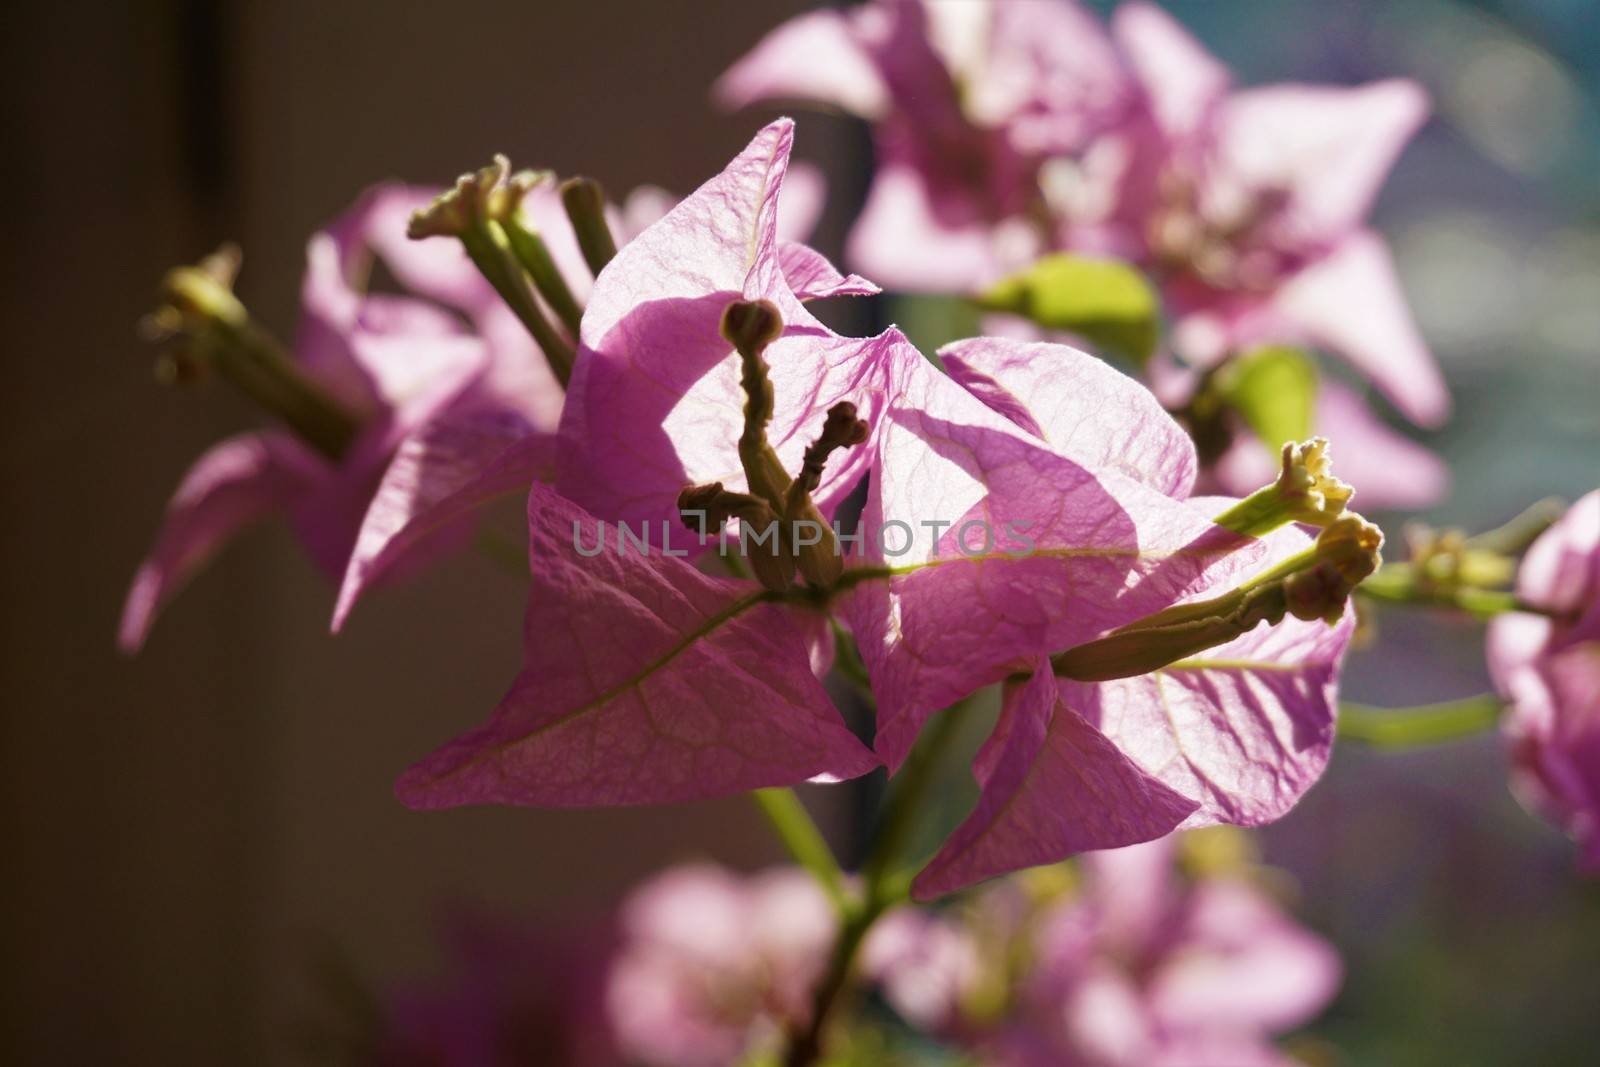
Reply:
x=1244, y=728
x=1059, y=788
x=1083, y=408
x=814, y=58
x=1350, y=302
x=438, y=480
x=1183, y=81
x=1328, y=148
x=962, y=604
x=655, y=402
x=812, y=277
x=644, y=681
x=1242, y=966
x=233, y=484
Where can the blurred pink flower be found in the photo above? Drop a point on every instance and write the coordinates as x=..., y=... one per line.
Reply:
x=1548, y=668
x=515, y=997
x=1139, y=967
x=714, y=965
x=397, y=362
x=968, y=100
x=1248, y=207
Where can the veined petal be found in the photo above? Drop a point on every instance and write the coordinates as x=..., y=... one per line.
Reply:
x=996, y=549
x=1083, y=408
x=644, y=681
x=1243, y=729
x=1059, y=788
x=438, y=480
x=233, y=484
x=814, y=58
x=1184, y=82
x=1350, y=302
x=809, y=274
x=655, y=402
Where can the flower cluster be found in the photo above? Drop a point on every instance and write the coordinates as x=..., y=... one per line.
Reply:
x=1145, y=955
x=1009, y=131
x=1152, y=573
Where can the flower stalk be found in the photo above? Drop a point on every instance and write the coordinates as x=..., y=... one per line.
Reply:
x=215, y=332
x=1305, y=491
x=1314, y=584
x=1418, y=727
x=585, y=203
x=475, y=212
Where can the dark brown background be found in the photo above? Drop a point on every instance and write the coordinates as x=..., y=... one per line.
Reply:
x=186, y=832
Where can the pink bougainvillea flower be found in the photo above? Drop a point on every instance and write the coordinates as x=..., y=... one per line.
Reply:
x=662, y=707
x=968, y=100
x=655, y=402
x=683, y=685
x=515, y=995
x=1234, y=736
x=644, y=681
x=1548, y=669
x=1249, y=207
x=1139, y=967
x=1000, y=546
x=500, y=437
x=395, y=362
x=715, y=966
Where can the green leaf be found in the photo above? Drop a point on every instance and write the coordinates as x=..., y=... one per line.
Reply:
x=1275, y=391
x=1104, y=301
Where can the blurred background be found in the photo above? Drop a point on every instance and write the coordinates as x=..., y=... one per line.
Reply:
x=201, y=840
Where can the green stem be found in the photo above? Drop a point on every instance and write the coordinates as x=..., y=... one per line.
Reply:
x=490, y=251
x=1429, y=724
x=585, y=203
x=798, y=831
x=1397, y=583
x=1257, y=514
x=881, y=889
x=534, y=255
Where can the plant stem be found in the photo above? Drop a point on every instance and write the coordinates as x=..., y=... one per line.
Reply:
x=880, y=890
x=1429, y=724
x=799, y=834
x=1398, y=583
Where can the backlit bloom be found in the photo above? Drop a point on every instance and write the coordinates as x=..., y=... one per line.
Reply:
x=714, y=966
x=1234, y=735
x=1547, y=667
x=646, y=680
x=1136, y=967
